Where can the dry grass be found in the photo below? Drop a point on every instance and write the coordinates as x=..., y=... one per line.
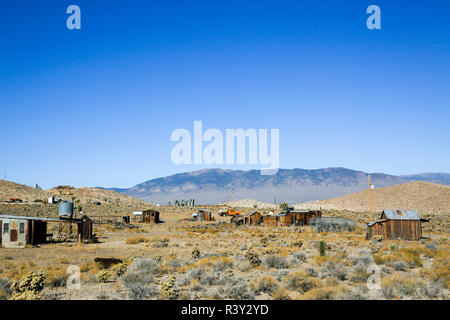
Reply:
x=136, y=240
x=289, y=267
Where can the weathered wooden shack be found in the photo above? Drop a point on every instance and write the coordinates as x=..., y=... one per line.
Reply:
x=301, y=218
x=203, y=215
x=396, y=224
x=270, y=220
x=252, y=219
x=150, y=216
x=284, y=219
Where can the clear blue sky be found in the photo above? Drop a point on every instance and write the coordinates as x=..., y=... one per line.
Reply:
x=97, y=106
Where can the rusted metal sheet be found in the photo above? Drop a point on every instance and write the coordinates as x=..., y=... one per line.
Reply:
x=40, y=219
x=400, y=215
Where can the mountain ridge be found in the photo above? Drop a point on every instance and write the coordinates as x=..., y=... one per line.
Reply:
x=213, y=186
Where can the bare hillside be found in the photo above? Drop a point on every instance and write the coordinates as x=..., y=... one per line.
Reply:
x=10, y=190
x=250, y=203
x=88, y=195
x=425, y=197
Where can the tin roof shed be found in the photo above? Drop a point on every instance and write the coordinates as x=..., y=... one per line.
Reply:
x=400, y=215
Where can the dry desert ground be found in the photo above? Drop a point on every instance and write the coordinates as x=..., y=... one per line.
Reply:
x=180, y=259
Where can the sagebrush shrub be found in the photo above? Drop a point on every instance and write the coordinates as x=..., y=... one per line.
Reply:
x=266, y=284
x=139, y=286
x=300, y=281
x=5, y=289
x=274, y=261
x=238, y=289
x=300, y=256
x=145, y=266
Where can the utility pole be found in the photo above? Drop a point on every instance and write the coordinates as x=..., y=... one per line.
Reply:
x=370, y=200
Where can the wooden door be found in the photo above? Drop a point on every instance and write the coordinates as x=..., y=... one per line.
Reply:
x=13, y=235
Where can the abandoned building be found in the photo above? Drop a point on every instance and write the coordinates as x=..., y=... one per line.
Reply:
x=204, y=215
x=301, y=218
x=270, y=220
x=18, y=231
x=253, y=219
x=150, y=216
x=284, y=219
x=396, y=224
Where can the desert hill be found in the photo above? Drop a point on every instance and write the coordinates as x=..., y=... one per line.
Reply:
x=425, y=197
x=250, y=203
x=89, y=195
x=10, y=189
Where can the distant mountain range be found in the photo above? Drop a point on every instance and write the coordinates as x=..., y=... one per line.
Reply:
x=213, y=186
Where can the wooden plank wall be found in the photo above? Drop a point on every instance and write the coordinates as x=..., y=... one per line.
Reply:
x=270, y=221
x=255, y=218
x=285, y=220
x=397, y=229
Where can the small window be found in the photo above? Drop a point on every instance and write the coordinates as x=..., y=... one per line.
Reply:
x=22, y=228
x=6, y=228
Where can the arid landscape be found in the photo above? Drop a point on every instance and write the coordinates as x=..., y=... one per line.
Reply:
x=181, y=259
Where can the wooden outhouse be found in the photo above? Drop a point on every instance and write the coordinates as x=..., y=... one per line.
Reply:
x=84, y=231
x=150, y=216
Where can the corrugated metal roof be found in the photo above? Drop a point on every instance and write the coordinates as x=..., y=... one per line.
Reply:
x=282, y=214
x=40, y=219
x=401, y=214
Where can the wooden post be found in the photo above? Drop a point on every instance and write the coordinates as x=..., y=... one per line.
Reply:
x=370, y=200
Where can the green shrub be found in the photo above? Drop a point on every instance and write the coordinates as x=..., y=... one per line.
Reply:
x=322, y=248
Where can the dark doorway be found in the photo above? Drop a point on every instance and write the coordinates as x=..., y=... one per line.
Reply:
x=13, y=235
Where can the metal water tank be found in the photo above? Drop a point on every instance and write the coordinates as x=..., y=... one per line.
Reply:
x=65, y=210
